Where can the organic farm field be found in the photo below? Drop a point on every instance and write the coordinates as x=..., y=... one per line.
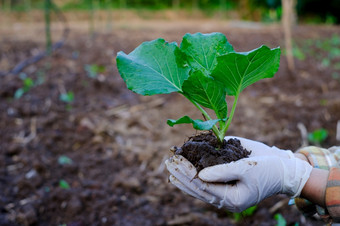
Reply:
x=78, y=148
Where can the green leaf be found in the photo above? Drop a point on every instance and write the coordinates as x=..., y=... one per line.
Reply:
x=64, y=160
x=207, y=92
x=28, y=84
x=155, y=67
x=197, y=124
x=239, y=70
x=67, y=97
x=318, y=136
x=281, y=221
x=19, y=93
x=245, y=213
x=202, y=50
x=63, y=184
x=93, y=70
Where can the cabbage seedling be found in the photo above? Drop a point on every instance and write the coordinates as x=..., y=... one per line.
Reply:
x=204, y=69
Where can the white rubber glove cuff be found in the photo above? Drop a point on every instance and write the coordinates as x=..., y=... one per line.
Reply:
x=296, y=173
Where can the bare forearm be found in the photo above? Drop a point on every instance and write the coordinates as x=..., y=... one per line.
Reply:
x=315, y=188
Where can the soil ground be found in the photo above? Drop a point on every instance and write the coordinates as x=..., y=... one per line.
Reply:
x=118, y=141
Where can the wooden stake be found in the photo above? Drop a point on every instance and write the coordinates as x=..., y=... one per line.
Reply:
x=288, y=7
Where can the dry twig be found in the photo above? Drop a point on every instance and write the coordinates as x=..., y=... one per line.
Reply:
x=304, y=134
x=338, y=131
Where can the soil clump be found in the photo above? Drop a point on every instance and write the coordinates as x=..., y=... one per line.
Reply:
x=204, y=150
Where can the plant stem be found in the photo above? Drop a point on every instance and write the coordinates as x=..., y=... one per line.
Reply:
x=214, y=129
x=225, y=128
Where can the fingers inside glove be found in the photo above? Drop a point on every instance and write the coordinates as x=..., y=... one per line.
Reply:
x=185, y=172
x=192, y=190
x=227, y=173
x=180, y=166
x=184, y=176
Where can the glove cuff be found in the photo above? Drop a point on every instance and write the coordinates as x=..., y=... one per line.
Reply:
x=296, y=174
x=283, y=153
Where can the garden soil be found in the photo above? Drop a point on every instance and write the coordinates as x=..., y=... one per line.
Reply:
x=99, y=160
x=204, y=150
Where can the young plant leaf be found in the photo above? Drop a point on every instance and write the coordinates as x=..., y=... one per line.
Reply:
x=239, y=70
x=197, y=124
x=93, y=70
x=318, y=136
x=64, y=160
x=207, y=92
x=63, y=184
x=245, y=213
x=202, y=50
x=67, y=97
x=155, y=67
x=281, y=221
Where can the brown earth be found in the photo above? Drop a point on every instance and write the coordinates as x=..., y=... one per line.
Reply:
x=118, y=141
x=204, y=150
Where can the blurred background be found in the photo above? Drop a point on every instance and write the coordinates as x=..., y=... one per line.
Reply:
x=308, y=11
x=78, y=148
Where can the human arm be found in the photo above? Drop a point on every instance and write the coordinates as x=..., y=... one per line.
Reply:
x=321, y=194
x=315, y=188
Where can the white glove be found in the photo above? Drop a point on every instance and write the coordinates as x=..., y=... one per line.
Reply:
x=253, y=179
x=260, y=149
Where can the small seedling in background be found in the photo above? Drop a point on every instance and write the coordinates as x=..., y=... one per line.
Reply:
x=246, y=213
x=63, y=184
x=64, y=160
x=318, y=136
x=67, y=98
x=93, y=70
x=27, y=84
x=325, y=51
x=281, y=221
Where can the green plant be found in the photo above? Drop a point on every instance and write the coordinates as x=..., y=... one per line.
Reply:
x=245, y=213
x=325, y=51
x=281, y=221
x=63, y=184
x=93, y=70
x=67, y=97
x=27, y=84
x=318, y=136
x=205, y=69
x=64, y=160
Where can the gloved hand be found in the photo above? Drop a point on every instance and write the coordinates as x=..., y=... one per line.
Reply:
x=244, y=183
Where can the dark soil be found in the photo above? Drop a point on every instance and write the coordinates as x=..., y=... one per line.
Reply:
x=118, y=141
x=204, y=150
